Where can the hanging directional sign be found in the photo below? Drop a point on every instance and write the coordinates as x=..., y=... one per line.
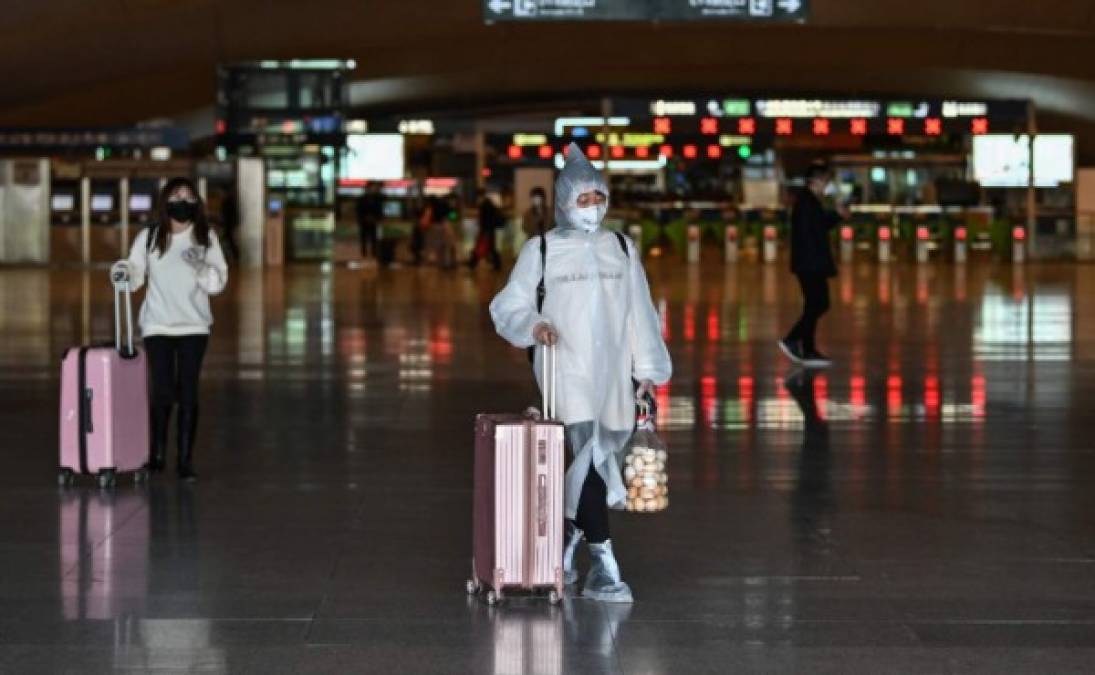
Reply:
x=645, y=10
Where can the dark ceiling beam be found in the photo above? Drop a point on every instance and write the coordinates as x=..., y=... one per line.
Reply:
x=75, y=63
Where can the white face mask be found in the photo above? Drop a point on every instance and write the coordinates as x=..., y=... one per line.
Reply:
x=587, y=218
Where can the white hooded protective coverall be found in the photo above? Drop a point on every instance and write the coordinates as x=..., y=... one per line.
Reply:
x=598, y=300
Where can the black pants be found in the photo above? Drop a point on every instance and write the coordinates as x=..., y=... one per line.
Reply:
x=592, y=516
x=815, y=293
x=367, y=232
x=175, y=364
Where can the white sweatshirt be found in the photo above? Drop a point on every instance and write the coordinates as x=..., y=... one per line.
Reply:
x=177, y=299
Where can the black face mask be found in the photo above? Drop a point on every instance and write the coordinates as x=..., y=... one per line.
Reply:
x=182, y=211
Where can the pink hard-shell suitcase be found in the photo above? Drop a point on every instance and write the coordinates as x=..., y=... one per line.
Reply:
x=104, y=403
x=518, y=502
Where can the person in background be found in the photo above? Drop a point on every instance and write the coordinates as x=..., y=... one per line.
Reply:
x=812, y=263
x=536, y=220
x=369, y=211
x=491, y=220
x=230, y=222
x=425, y=224
x=181, y=261
x=449, y=225
x=597, y=308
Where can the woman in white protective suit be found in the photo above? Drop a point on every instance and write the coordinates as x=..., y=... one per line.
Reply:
x=595, y=305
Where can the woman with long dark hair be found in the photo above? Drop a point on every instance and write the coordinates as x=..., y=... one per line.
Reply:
x=183, y=263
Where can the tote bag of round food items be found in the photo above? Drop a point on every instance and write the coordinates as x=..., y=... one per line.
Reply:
x=645, y=466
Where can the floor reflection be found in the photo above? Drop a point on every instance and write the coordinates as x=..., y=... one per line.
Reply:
x=116, y=549
x=527, y=644
x=328, y=320
x=938, y=476
x=893, y=400
x=98, y=576
x=528, y=637
x=812, y=501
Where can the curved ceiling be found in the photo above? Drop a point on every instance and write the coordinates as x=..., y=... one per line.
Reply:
x=77, y=63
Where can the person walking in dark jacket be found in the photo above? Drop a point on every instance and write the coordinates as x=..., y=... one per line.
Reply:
x=369, y=211
x=491, y=219
x=812, y=262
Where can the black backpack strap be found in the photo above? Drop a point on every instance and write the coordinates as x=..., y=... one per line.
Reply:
x=623, y=242
x=541, y=289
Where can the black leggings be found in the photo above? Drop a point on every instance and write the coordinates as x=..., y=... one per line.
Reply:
x=592, y=516
x=175, y=363
x=815, y=293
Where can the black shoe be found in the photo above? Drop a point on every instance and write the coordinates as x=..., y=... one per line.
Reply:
x=160, y=418
x=791, y=350
x=815, y=359
x=188, y=426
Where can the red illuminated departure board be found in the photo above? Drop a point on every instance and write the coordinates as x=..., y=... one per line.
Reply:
x=652, y=131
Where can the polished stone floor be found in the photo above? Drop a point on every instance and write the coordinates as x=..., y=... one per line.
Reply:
x=926, y=506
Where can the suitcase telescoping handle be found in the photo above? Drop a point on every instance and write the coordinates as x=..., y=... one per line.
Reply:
x=119, y=278
x=549, y=379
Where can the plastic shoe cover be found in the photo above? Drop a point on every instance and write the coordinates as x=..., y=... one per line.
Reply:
x=604, y=583
x=573, y=537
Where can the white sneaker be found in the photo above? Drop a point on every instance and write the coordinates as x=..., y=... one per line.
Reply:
x=816, y=360
x=790, y=351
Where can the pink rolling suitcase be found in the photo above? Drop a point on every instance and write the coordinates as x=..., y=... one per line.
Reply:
x=518, y=503
x=104, y=403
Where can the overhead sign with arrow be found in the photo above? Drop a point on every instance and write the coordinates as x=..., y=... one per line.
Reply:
x=796, y=11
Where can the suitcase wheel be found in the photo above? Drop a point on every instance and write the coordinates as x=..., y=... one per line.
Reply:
x=65, y=477
x=471, y=586
x=106, y=478
x=493, y=598
x=554, y=597
x=140, y=476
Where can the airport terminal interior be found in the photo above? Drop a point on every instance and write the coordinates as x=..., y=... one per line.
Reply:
x=923, y=503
